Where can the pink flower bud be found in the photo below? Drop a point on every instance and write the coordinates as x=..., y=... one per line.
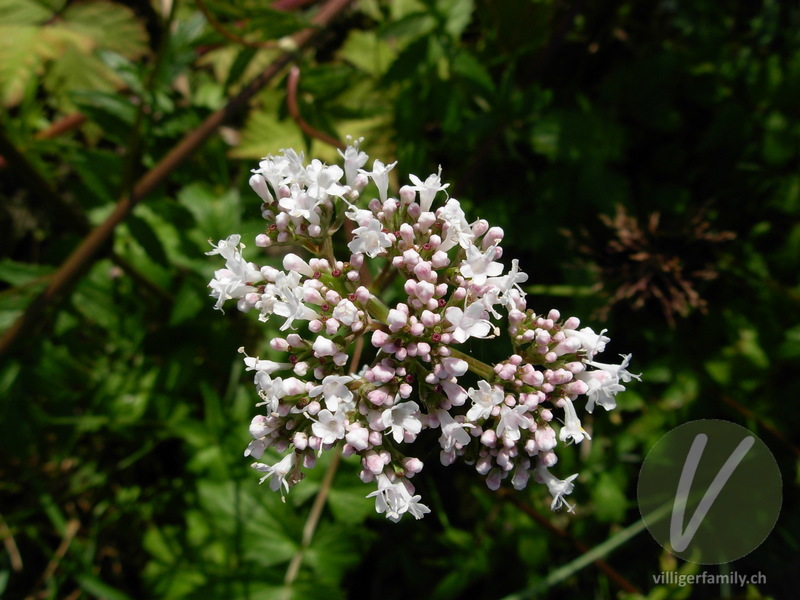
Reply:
x=480, y=227
x=493, y=480
x=407, y=194
x=300, y=440
x=492, y=237
x=259, y=185
x=379, y=338
x=373, y=463
x=358, y=438
x=425, y=221
x=440, y=260
x=424, y=272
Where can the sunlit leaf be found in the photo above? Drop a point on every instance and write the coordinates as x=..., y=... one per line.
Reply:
x=110, y=26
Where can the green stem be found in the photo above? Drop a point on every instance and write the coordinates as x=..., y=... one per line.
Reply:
x=476, y=366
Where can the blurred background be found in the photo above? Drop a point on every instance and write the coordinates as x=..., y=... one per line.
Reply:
x=642, y=158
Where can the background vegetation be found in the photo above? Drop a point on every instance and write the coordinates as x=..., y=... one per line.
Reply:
x=641, y=156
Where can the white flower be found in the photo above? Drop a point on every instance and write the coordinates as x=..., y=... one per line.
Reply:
x=380, y=175
x=275, y=169
x=504, y=287
x=428, y=189
x=604, y=383
x=335, y=392
x=394, y=499
x=572, y=426
x=253, y=363
x=511, y=419
x=370, y=240
x=292, y=294
x=323, y=180
x=237, y=278
x=329, y=426
x=278, y=472
x=458, y=232
x=225, y=248
x=602, y=388
x=558, y=488
x=453, y=434
x=478, y=266
x=469, y=323
x=270, y=390
x=619, y=371
x=402, y=417
x=593, y=343
x=301, y=205
x=484, y=399
x=354, y=159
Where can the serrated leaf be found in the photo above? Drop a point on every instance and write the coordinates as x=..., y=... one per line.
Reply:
x=265, y=134
x=28, y=12
x=21, y=59
x=110, y=26
x=76, y=70
x=366, y=51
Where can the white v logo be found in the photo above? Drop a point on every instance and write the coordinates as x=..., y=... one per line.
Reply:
x=681, y=540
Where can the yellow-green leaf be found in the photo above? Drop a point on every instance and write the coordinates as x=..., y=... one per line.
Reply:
x=109, y=26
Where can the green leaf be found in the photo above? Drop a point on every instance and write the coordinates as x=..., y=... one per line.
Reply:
x=457, y=14
x=144, y=235
x=188, y=303
x=97, y=588
x=22, y=51
x=157, y=544
x=264, y=133
x=609, y=500
x=469, y=67
x=28, y=12
x=113, y=112
x=109, y=26
x=216, y=213
x=77, y=70
x=368, y=52
x=18, y=273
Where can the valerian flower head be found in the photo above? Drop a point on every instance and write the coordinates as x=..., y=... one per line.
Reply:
x=450, y=290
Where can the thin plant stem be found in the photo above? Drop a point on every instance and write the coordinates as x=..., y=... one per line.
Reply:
x=311, y=522
x=294, y=110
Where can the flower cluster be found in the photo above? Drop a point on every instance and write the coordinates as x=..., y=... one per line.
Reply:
x=454, y=288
